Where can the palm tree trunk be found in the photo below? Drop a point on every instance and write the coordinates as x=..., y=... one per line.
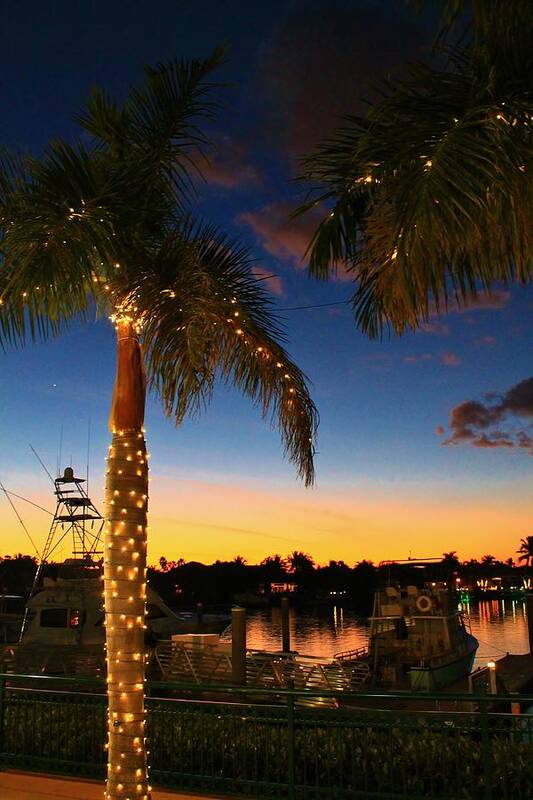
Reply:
x=125, y=575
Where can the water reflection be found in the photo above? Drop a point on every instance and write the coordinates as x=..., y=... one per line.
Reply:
x=500, y=626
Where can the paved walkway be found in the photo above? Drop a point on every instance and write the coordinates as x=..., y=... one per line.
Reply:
x=29, y=786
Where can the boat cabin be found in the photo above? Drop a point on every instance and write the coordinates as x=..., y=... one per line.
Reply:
x=416, y=629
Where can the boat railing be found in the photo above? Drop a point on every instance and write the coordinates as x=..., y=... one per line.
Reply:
x=351, y=655
x=41, y=659
x=185, y=661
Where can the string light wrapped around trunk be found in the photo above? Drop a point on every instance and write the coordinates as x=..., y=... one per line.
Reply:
x=125, y=575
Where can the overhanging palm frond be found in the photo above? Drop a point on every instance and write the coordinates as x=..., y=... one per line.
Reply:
x=430, y=196
x=206, y=316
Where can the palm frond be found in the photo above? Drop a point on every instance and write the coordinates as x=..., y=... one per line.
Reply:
x=430, y=196
x=205, y=316
x=55, y=230
x=160, y=122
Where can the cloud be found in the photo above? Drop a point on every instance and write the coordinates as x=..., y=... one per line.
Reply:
x=450, y=359
x=273, y=282
x=482, y=302
x=485, y=341
x=283, y=237
x=435, y=327
x=480, y=424
x=416, y=359
x=230, y=166
x=440, y=430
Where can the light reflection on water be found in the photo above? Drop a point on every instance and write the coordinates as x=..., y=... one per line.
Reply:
x=499, y=625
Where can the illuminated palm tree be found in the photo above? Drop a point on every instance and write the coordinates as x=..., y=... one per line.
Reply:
x=105, y=228
x=428, y=199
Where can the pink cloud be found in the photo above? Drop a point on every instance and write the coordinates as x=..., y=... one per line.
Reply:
x=416, y=359
x=450, y=359
x=284, y=237
x=230, y=167
x=273, y=282
x=435, y=327
x=485, y=341
x=483, y=302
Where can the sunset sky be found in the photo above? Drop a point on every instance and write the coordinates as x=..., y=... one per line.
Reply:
x=403, y=466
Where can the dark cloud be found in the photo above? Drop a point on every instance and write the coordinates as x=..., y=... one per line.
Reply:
x=321, y=62
x=519, y=399
x=480, y=424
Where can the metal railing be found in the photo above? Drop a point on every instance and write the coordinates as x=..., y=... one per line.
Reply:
x=262, y=743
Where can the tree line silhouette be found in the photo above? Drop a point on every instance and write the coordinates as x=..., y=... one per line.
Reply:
x=184, y=584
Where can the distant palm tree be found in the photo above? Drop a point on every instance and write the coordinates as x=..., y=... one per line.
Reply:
x=488, y=560
x=451, y=558
x=106, y=227
x=300, y=562
x=428, y=199
x=526, y=550
x=240, y=561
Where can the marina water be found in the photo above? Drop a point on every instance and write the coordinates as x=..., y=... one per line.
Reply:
x=499, y=625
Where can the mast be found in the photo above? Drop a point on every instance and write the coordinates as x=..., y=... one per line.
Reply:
x=75, y=517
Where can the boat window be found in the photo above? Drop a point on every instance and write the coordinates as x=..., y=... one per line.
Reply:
x=54, y=618
x=154, y=612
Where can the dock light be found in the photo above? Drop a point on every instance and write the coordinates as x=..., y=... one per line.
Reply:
x=491, y=664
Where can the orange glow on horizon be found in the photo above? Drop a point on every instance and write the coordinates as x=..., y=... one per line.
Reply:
x=204, y=521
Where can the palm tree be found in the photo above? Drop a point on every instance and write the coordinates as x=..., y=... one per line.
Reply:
x=273, y=568
x=107, y=227
x=526, y=550
x=428, y=198
x=300, y=562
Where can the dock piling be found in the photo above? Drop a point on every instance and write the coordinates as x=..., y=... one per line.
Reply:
x=529, y=610
x=238, y=645
x=285, y=625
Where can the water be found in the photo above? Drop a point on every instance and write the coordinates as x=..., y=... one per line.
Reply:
x=499, y=625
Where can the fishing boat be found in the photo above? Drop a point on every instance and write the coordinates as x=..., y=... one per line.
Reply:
x=418, y=639
x=63, y=629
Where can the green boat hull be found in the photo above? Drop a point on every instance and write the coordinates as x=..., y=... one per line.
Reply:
x=432, y=677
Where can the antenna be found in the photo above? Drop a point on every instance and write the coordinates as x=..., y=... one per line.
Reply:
x=20, y=497
x=88, y=451
x=39, y=459
x=26, y=531
x=60, y=452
